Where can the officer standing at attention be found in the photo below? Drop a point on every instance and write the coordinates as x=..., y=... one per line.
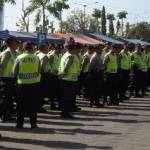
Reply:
x=139, y=68
x=6, y=73
x=69, y=71
x=111, y=67
x=54, y=60
x=96, y=77
x=124, y=69
x=45, y=72
x=27, y=72
x=85, y=69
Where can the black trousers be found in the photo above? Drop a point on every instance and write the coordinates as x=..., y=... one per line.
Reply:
x=8, y=95
x=44, y=84
x=124, y=80
x=148, y=78
x=138, y=80
x=53, y=88
x=67, y=96
x=27, y=102
x=111, y=86
x=95, y=83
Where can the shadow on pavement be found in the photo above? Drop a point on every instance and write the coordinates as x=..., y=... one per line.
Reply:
x=52, y=144
x=57, y=131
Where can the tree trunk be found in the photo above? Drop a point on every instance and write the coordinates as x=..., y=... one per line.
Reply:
x=43, y=26
x=1, y=18
x=122, y=27
x=61, y=22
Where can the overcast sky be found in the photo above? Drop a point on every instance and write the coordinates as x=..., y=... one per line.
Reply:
x=139, y=10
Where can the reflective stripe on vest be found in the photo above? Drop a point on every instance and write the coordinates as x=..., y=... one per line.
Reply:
x=48, y=66
x=28, y=69
x=140, y=61
x=74, y=69
x=8, y=70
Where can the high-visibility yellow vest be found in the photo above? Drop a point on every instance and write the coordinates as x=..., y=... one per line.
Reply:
x=74, y=69
x=41, y=56
x=28, y=69
x=104, y=52
x=125, y=60
x=8, y=70
x=112, y=64
x=144, y=62
x=149, y=60
x=56, y=62
x=139, y=61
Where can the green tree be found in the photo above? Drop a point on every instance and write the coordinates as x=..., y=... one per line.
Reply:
x=122, y=15
x=127, y=28
x=140, y=31
x=111, y=18
x=40, y=7
x=2, y=3
x=77, y=22
x=57, y=8
x=103, y=21
x=97, y=15
x=118, y=26
x=93, y=25
x=23, y=23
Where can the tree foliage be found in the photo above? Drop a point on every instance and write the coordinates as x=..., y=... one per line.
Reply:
x=2, y=2
x=122, y=15
x=56, y=9
x=141, y=30
x=23, y=23
x=111, y=18
x=97, y=15
x=40, y=7
x=103, y=21
x=77, y=22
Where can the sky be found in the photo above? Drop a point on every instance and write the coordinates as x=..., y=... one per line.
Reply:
x=138, y=10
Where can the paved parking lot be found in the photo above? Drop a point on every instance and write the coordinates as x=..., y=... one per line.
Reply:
x=125, y=127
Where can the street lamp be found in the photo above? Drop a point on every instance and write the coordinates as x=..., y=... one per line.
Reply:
x=84, y=8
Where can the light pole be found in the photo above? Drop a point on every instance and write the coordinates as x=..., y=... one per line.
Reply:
x=84, y=9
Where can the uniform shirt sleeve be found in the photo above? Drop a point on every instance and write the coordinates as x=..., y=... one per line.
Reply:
x=4, y=60
x=16, y=68
x=44, y=62
x=69, y=62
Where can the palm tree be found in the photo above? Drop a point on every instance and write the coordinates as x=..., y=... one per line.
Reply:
x=2, y=3
x=122, y=15
x=111, y=18
x=56, y=9
x=40, y=6
x=97, y=15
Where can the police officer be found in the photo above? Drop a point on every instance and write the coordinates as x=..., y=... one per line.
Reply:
x=139, y=69
x=27, y=71
x=85, y=69
x=124, y=71
x=111, y=67
x=6, y=73
x=144, y=69
x=54, y=60
x=45, y=72
x=69, y=71
x=96, y=76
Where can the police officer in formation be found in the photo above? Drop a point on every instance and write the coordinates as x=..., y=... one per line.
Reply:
x=27, y=71
x=55, y=72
